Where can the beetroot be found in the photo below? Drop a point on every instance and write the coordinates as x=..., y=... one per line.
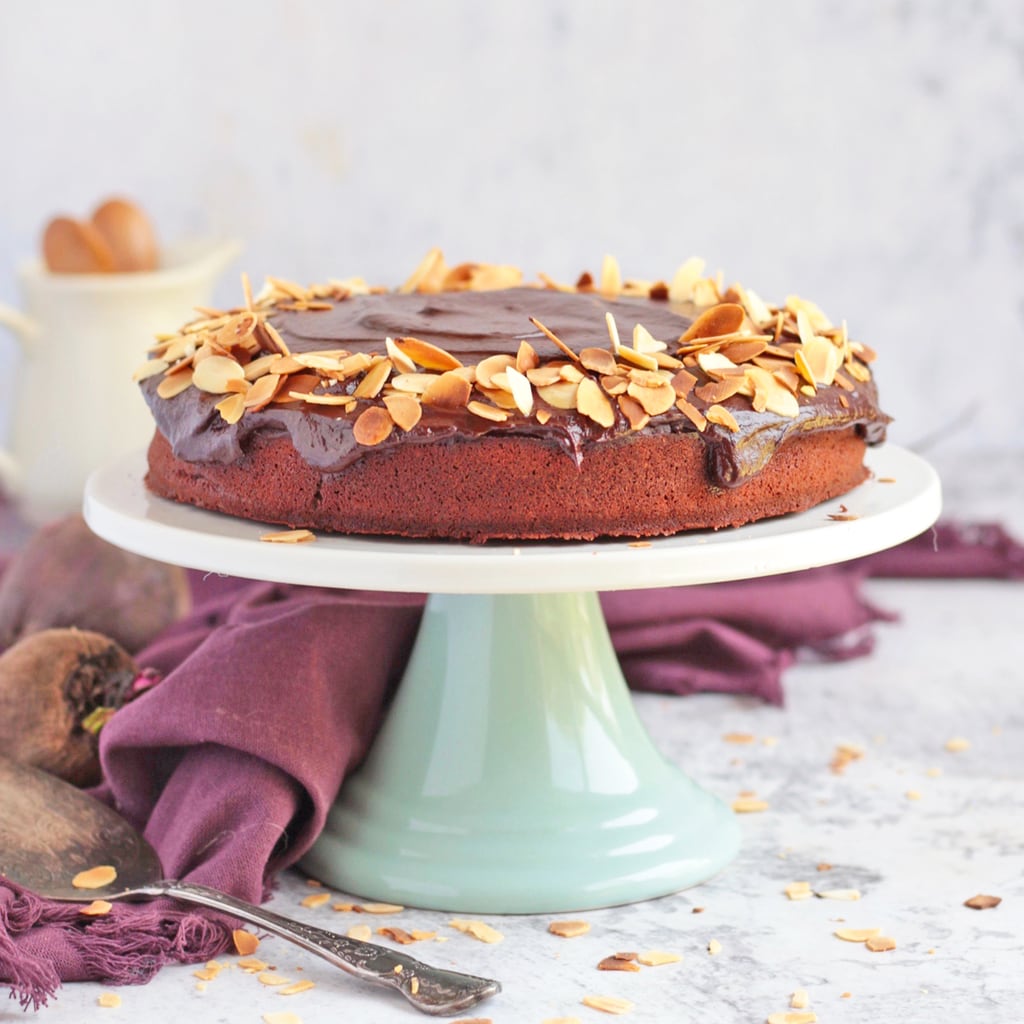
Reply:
x=57, y=687
x=67, y=576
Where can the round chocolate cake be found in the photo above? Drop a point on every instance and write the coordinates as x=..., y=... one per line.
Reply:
x=466, y=405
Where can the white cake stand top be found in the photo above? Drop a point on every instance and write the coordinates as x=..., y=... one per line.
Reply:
x=899, y=501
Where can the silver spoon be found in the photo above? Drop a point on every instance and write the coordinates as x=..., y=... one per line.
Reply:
x=50, y=831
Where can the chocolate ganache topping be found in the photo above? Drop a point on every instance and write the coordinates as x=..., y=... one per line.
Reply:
x=742, y=388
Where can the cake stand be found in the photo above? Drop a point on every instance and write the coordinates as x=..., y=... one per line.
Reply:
x=512, y=774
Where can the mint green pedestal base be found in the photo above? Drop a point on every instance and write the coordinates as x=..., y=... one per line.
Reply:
x=513, y=776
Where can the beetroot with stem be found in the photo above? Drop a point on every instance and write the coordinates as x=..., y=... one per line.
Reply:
x=56, y=689
x=67, y=576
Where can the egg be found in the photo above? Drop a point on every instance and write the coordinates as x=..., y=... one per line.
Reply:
x=76, y=247
x=129, y=235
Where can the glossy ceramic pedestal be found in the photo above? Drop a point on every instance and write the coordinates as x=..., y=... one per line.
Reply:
x=511, y=774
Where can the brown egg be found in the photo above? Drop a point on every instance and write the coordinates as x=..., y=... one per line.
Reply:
x=75, y=247
x=128, y=233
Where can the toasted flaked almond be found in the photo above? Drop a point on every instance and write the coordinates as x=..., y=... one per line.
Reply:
x=617, y=963
x=447, y=391
x=251, y=965
x=657, y=958
x=272, y=979
x=749, y=805
x=538, y=376
x=426, y=355
x=685, y=280
x=344, y=401
x=316, y=899
x=554, y=339
x=837, y=894
x=374, y=380
x=654, y=401
x=770, y=394
x=613, y=332
x=526, y=357
x=404, y=410
x=644, y=341
x=478, y=929
x=399, y=360
x=360, y=932
x=599, y=360
x=880, y=944
x=692, y=413
x=423, y=273
x=744, y=351
x=378, y=908
x=608, y=1004
x=262, y=392
x=857, y=934
x=372, y=426
x=720, y=415
x=288, y=537
x=983, y=902
x=957, y=744
x=245, y=942
x=95, y=878
x=399, y=935
x=721, y=319
x=615, y=384
x=296, y=987
x=214, y=373
x=716, y=365
x=643, y=360
x=231, y=408
x=571, y=373
x=611, y=277
x=336, y=361
x=798, y=890
x=561, y=395
x=487, y=412
x=682, y=382
x=569, y=929
x=822, y=358
x=486, y=368
x=634, y=412
x=593, y=403
x=209, y=972
x=800, y=999
x=413, y=383
x=281, y=1018
x=741, y=738
x=719, y=390
x=108, y=1000
x=174, y=384
x=150, y=368
x=789, y=1017
x=98, y=908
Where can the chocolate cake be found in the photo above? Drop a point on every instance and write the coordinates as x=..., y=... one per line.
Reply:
x=467, y=405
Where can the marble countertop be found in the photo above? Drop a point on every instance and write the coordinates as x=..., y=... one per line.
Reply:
x=915, y=827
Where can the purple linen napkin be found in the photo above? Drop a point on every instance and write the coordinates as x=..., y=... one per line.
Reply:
x=272, y=694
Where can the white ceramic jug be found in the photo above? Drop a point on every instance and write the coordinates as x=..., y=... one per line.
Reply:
x=82, y=336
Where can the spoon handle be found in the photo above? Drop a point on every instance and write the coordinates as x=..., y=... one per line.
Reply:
x=429, y=989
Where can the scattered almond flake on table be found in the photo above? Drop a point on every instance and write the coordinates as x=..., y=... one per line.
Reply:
x=844, y=754
x=749, y=805
x=857, y=934
x=98, y=908
x=473, y=1020
x=209, y=972
x=933, y=773
x=378, y=908
x=983, y=902
x=957, y=744
x=657, y=958
x=478, y=929
x=838, y=894
x=569, y=929
x=288, y=537
x=314, y=883
x=739, y=737
x=296, y=987
x=272, y=979
x=608, y=1004
x=639, y=544
x=799, y=1000
x=245, y=942
x=281, y=1018
x=316, y=899
x=618, y=963
x=913, y=794
x=880, y=944
x=360, y=932
x=823, y=866
x=109, y=1000
x=252, y=965
x=401, y=936
x=799, y=890
x=714, y=947
x=561, y=1020
x=788, y=1017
